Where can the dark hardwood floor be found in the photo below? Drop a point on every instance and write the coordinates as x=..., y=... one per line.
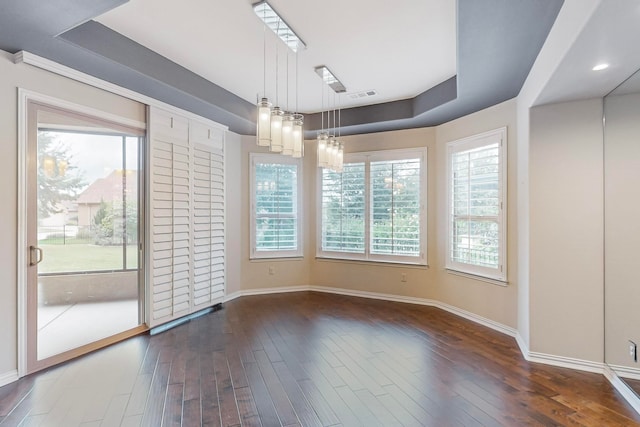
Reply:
x=312, y=359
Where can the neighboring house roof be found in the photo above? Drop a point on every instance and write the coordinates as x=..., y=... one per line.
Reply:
x=109, y=188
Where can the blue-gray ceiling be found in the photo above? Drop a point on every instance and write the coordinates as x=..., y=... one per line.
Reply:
x=498, y=42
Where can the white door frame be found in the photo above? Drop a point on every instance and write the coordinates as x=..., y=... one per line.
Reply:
x=24, y=97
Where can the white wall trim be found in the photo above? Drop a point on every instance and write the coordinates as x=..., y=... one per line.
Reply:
x=421, y=301
x=23, y=97
x=566, y=362
x=629, y=395
x=380, y=296
x=62, y=70
x=8, y=377
x=626, y=372
x=266, y=291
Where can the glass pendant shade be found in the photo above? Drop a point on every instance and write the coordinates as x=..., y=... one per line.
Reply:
x=287, y=135
x=276, y=130
x=298, y=137
x=333, y=151
x=263, y=131
x=340, y=159
x=322, y=150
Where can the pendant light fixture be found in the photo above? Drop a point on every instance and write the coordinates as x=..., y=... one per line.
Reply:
x=330, y=149
x=263, y=130
x=282, y=131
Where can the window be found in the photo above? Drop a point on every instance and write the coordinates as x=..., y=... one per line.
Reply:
x=374, y=210
x=476, y=194
x=276, y=229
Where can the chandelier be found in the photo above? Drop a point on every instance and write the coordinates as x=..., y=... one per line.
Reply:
x=330, y=149
x=280, y=130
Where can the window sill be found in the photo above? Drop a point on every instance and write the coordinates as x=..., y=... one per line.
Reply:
x=479, y=278
x=278, y=258
x=394, y=264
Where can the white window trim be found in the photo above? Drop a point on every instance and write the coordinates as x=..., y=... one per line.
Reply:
x=367, y=256
x=275, y=159
x=469, y=143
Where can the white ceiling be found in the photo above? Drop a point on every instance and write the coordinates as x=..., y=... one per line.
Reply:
x=610, y=36
x=400, y=49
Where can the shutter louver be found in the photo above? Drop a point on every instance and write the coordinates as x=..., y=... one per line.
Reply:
x=375, y=209
x=276, y=207
x=477, y=194
x=208, y=218
x=343, y=209
x=395, y=207
x=476, y=206
x=187, y=249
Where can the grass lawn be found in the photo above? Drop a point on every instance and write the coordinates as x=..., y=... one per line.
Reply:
x=85, y=257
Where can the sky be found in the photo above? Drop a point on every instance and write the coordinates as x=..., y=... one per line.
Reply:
x=96, y=156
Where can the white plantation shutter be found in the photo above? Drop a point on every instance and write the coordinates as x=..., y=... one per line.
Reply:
x=276, y=183
x=375, y=209
x=396, y=207
x=343, y=209
x=186, y=205
x=170, y=216
x=476, y=242
x=208, y=215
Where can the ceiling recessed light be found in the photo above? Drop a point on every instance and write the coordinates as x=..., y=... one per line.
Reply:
x=600, y=67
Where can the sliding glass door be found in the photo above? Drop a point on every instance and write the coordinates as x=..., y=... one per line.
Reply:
x=84, y=284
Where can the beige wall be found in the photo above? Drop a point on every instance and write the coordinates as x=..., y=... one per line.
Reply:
x=233, y=206
x=31, y=78
x=622, y=227
x=566, y=220
x=498, y=303
x=255, y=273
x=379, y=277
x=494, y=302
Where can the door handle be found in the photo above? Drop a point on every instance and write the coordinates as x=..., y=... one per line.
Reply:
x=33, y=250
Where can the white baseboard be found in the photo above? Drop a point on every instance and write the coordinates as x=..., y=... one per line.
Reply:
x=265, y=291
x=8, y=377
x=420, y=301
x=232, y=296
x=560, y=361
x=626, y=372
x=566, y=362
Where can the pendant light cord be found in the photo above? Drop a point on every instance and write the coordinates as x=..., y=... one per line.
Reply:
x=264, y=51
x=277, y=61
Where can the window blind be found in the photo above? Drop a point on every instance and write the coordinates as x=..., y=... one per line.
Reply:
x=374, y=210
x=395, y=207
x=476, y=189
x=343, y=209
x=275, y=206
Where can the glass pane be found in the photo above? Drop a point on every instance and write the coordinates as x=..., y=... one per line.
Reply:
x=343, y=209
x=276, y=206
x=475, y=202
x=395, y=207
x=87, y=226
x=475, y=242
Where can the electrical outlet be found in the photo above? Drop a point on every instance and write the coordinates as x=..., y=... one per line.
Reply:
x=403, y=277
x=272, y=270
x=633, y=351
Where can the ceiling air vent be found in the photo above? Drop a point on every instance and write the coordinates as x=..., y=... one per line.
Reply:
x=363, y=94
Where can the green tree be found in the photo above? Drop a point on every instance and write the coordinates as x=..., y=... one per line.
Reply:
x=114, y=228
x=58, y=178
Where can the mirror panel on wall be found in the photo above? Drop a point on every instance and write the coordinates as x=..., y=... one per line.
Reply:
x=622, y=230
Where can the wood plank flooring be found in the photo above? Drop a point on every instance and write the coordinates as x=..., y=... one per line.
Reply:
x=312, y=359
